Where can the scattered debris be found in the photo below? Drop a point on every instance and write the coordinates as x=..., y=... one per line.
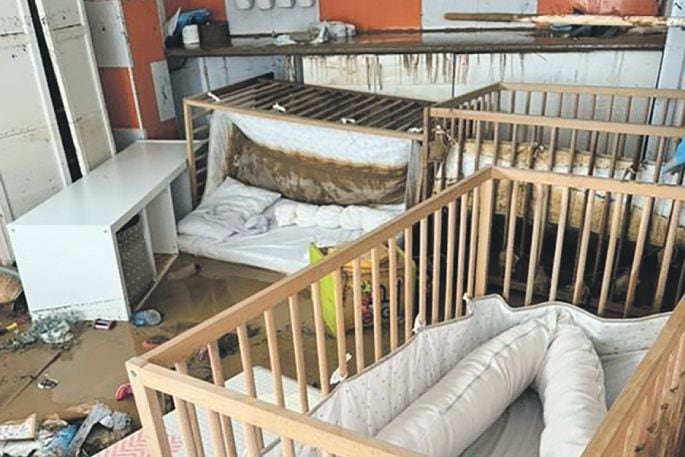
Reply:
x=154, y=341
x=24, y=429
x=60, y=441
x=47, y=383
x=103, y=324
x=53, y=331
x=147, y=318
x=284, y=40
x=123, y=392
x=99, y=412
x=184, y=272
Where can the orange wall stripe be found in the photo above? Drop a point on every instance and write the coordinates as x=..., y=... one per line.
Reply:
x=374, y=14
x=119, y=97
x=216, y=7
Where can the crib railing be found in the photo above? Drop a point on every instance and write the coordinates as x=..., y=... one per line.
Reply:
x=449, y=240
x=602, y=131
x=648, y=418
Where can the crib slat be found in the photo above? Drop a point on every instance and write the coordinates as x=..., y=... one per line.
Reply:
x=559, y=244
x=298, y=350
x=222, y=429
x=637, y=256
x=423, y=260
x=358, y=322
x=611, y=252
x=668, y=255
x=320, y=333
x=377, y=305
x=340, y=322
x=471, y=279
x=276, y=373
x=254, y=436
x=392, y=291
x=187, y=418
x=534, y=244
x=585, y=239
x=461, y=254
x=449, y=274
x=435, y=282
x=408, y=282
x=484, y=233
x=511, y=238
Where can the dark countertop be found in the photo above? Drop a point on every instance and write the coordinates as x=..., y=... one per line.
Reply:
x=464, y=42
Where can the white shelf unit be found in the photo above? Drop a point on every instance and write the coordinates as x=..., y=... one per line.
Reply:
x=67, y=250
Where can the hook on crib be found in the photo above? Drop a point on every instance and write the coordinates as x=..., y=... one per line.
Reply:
x=336, y=376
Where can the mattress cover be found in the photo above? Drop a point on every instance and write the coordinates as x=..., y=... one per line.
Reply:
x=368, y=401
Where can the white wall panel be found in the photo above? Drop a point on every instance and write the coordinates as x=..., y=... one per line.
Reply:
x=197, y=75
x=163, y=92
x=108, y=32
x=433, y=12
x=71, y=51
x=267, y=16
x=427, y=76
x=32, y=162
x=433, y=76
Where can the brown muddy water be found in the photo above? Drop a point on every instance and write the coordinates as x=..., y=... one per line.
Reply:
x=93, y=367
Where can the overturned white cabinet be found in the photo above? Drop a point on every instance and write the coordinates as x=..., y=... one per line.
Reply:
x=87, y=248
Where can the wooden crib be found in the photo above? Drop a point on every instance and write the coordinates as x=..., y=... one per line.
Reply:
x=451, y=237
x=607, y=131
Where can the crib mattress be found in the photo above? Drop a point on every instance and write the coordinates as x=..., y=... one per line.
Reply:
x=280, y=249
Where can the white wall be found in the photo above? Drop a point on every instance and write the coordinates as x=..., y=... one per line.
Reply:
x=441, y=76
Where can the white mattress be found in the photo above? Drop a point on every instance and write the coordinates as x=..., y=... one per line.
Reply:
x=280, y=249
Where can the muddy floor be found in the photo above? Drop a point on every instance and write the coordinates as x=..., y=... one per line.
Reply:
x=93, y=367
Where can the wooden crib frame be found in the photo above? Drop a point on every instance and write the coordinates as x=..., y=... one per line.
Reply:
x=307, y=104
x=645, y=420
x=547, y=125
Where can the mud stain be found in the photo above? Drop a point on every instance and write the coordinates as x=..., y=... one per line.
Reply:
x=93, y=368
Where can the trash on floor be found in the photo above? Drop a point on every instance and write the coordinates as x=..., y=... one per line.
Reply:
x=147, y=318
x=123, y=392
x=184, y=272
x=99, y=412
x=154, y=341
x=47, y=383
x=10, y=285
x=24, y=429
x=53, y=331
x=103, y=324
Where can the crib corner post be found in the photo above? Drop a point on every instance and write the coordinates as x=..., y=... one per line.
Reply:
x=484, y=230
x=149, y=410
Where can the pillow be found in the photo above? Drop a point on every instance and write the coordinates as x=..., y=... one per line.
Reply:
x=306, y=215
x=328, y=216
x=571, y=387
x=196, y=224
x=237, y=197
x=364, y=218
x=285, y=213
x=453, y=413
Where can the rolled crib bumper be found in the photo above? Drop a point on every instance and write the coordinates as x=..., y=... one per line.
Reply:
x=451, y=415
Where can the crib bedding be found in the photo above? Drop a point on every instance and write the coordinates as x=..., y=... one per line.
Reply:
x=368, y=401
x=281, y=249
x=248, y=225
